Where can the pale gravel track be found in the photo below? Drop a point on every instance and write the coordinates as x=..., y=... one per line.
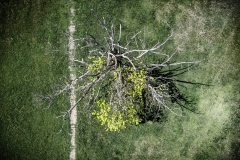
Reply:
x=73, y=114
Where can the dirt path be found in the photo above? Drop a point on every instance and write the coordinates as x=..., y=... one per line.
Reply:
x=73, y=114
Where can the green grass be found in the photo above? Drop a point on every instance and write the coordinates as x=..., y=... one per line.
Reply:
x=202, y=30
x=27, y=28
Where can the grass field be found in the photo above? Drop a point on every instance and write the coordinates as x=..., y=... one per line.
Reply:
x=208, y=30
x=27, y=68
x=202, y=30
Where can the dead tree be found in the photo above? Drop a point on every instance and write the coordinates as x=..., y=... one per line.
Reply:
x=116, y=73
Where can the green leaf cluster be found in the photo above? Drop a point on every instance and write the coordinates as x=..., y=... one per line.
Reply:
x=96, y=65
x=115, y=118
x=138, y=79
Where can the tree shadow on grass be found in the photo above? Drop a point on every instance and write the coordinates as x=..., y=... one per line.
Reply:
x=177, y=97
